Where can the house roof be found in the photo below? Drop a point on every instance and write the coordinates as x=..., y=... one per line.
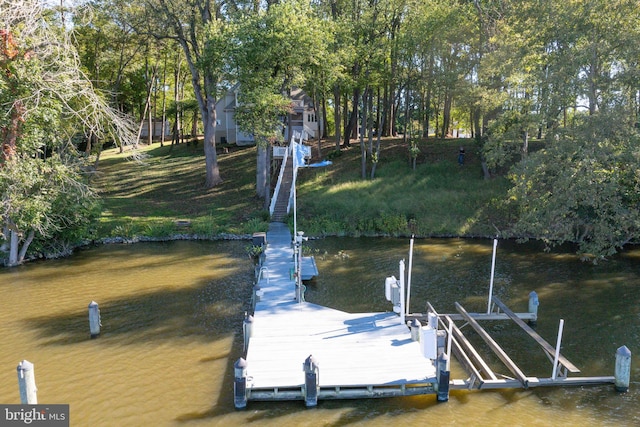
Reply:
x=297, y=94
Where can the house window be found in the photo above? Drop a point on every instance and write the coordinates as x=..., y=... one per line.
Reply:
x=311, y=118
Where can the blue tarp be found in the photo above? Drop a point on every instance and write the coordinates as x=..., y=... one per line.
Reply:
x=320, y=164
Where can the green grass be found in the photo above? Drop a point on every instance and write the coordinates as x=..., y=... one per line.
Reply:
x=438, y=198
x=149, y=196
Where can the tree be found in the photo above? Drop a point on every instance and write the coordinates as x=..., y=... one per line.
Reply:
x=46, y=101
x=584, y=188
x=199, y=28
x=272, y=57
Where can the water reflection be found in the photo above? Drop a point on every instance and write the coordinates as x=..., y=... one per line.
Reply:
x=172, y=316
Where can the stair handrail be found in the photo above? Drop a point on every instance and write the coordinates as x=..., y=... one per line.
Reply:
x=295, y=170
x=276, y=191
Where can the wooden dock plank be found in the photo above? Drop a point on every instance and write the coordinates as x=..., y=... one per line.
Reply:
x=544, y=344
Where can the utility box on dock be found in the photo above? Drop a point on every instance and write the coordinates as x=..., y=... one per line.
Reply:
x=429, y=342
x=392, y=292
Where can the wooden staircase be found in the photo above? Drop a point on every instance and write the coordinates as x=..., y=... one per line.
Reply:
x=280, y=210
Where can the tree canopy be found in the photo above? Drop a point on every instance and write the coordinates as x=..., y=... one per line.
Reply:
x=562, y=73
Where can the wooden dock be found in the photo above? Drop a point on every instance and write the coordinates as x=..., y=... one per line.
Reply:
x=357, y=354
x=296, y=350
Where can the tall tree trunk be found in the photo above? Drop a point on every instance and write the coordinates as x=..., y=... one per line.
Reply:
x=345, y=120
x=446, y=113
x=164, y=102
x=204, y=87
x=406, y=117
x=525, y=143
x=352, y=128
x=261, y=169
x=213, y=177
x=14, y=245
x=336, y=115
x=363, y=125
x=323, y=103
x=593, y=75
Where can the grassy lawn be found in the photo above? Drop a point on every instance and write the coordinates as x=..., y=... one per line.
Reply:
x=438, y=198
x=159, y=194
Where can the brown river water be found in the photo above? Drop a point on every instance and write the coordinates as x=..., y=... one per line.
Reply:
x=172, y=329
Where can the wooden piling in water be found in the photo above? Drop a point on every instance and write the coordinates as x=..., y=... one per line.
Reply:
x=623, y=369
x=310, y=367
x=27, y=383
x=240, y=384
x=94, y=319
x=533, y=308
x=443, y=374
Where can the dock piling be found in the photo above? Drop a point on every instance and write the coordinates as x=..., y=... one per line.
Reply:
x=27, y=383
x=240, y=384
x=415, y=325
x=533, y=308
x=443, y=375
x=310, y=368
x=94, y=319
x=623, y=369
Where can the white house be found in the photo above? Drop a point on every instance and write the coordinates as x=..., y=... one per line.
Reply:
x=303, y=117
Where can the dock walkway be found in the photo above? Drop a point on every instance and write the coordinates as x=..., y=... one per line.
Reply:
x=357, y=354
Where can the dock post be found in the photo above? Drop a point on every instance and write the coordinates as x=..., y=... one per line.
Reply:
x=443, y=375
x=533, y=308
x=27, y=383
x=415, y=325
x=433, y=319
x=442, y=341
x=240, y=384
x=623, y=369
x=310, y=368
x=247, y=329
x=94, y=319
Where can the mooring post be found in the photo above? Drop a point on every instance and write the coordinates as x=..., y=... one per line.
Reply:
x=533, y=308
x=415, y=325
x=442, y=374
x=247, y=329
x=94, y=319
x=442, y=341
x=432, y=319
x=240, y=384
x=27, y=383
x=310, y=368
x=623, y=369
